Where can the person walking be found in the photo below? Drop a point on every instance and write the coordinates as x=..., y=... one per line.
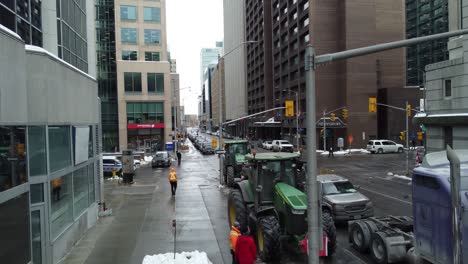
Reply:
x=173, y=181
x=179, y=157
x=246, y=251
x=330, y=153
x=233, y=236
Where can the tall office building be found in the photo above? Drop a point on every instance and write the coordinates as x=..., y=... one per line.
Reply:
x=49, y=129
x=425, y=18
x=143, y=74
x=329, y=26
x=207, y=57
x=64, y=28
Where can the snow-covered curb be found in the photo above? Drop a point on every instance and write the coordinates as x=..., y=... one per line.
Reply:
x=344, y=152
x=399, y=176
x=194, y=257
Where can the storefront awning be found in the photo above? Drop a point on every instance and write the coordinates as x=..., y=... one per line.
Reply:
x=269, y=123
x=441, y=119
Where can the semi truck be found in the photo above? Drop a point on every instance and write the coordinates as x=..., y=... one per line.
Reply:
x=431, y=235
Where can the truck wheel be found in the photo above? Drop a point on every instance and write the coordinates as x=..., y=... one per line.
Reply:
x=268, y=238
x=360, y=236
x=230, y=176
x=236, y=208
x=378, y=248
x=329, y=227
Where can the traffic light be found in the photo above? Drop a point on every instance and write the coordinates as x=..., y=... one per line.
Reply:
x=403, y=135
x=420, y=135
x=372, y=104
x=289, y=111
x=344, y=112
x=332, y=117
x=408, y=110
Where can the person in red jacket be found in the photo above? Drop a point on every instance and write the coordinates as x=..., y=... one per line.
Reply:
x=246, y=251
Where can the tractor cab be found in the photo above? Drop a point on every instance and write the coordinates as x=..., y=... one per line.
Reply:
x=234, y=160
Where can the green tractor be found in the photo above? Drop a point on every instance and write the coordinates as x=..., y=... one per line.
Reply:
x=269, y=203
x=234, y=160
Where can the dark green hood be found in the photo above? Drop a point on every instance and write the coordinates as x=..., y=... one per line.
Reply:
x=296, y=199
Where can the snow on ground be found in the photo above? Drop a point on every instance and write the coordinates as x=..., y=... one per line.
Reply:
x=344, y=152
x=115, y=178
x=399, y=176
x=194, y=257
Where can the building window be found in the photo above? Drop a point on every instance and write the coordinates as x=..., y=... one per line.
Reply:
x=156, y=83
x=14, y=227
x=59, y=147
x=145, y=113
x=129, y=35
x=12, y=157
x=152, y=36
x=37, y=150
x=61, y=203
x=152, y=14
x=152, y=56
x=131, y=55
x=80, y=191
x=132, y=82
x=128, y=13
x=448, y=88
x=37, y=193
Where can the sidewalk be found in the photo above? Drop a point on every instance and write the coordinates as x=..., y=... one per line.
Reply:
x=141, y=223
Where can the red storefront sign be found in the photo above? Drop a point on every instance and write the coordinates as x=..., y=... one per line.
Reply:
x=145, y=126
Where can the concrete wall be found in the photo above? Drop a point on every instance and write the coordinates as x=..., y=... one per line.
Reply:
x=235, y=80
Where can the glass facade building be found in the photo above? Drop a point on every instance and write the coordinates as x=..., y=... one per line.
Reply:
x=24, y=18
x=425, y=17
x=107, y=72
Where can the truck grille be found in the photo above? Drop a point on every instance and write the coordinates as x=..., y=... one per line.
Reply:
x=355, y=207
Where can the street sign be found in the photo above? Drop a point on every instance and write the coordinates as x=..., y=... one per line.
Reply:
x=220, y=151
x=214, y=143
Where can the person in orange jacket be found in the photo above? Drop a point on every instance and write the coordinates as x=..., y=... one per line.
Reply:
x=57, y=187
x=173, y=181
x=233, y=236
x=246, y=251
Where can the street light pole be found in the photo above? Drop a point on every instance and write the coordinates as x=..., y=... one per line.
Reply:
x=220, y=106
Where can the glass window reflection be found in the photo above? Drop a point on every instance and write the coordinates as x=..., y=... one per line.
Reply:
x=12, y=157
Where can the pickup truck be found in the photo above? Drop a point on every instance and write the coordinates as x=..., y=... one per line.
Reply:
x=282, y=146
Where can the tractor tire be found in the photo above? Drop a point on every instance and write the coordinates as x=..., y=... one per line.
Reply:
x=236, y=208
x=230, y=176
x=329, y=227
x=268, y=238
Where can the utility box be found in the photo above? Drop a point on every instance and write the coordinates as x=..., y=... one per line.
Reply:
x=128, y=166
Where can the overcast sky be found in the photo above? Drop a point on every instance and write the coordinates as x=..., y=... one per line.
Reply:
x=192, y=25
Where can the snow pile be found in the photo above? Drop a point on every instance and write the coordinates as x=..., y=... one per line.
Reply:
x=115, y=178
x=335, y=153
x=402, y=177
x=389, y=174
x=194, y=257
x=148, y=158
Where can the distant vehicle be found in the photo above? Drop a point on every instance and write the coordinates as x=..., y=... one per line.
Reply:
x=342, y=200
x=383, y=146
x=207, y=148
x=267, y=144
x=111, y=163
x=136, y=163
x=282, y=146
x=161, y=159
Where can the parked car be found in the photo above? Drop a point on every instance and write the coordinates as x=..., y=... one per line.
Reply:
x=342, y=200
x=111, y=163
x=383, y=146
x=207, y=148
x=161, y=159
x=267, y=144
x=282, y=145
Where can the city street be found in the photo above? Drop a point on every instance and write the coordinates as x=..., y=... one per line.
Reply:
x=141, y=223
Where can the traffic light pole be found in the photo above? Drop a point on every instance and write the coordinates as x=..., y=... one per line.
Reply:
x=311, y=62
x=407, y=139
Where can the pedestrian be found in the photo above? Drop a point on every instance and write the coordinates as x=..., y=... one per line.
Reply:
x=233, y=236
x=413, y=143
x=246, y=252
x=330, y=153
x=179, y=157
x=173, y=181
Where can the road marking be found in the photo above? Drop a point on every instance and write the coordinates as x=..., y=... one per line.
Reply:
x=388, y=196
x=353, y=255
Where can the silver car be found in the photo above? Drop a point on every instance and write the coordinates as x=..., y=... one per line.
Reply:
x=342, y=200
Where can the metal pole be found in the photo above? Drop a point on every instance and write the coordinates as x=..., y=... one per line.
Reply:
x=297, y=120
x=314, y=228
x=220, y=111
x=407, y=140
x=324, y=132
x=455, y=197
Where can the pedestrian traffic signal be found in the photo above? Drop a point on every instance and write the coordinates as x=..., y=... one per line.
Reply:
x=289, y=111
x=403, y=135
x=344, y=112
x=332, y=117
x=420, y=135
x=372, y=104
x=408, y=110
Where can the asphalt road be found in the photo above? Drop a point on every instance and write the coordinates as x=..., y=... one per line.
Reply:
x=378, y=177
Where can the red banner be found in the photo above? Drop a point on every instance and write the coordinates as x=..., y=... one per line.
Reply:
x=145, y=126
